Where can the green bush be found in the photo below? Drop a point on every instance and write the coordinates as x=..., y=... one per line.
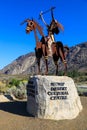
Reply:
x=18, y=88
x=73, y=73
x=14, y=82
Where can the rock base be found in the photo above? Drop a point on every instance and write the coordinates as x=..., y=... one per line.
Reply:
x=53, y=97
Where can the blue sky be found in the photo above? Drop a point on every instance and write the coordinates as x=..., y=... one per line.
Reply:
x=14, y=42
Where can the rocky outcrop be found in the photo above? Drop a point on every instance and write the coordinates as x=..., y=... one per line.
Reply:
x=77, y=58
x=20, y=65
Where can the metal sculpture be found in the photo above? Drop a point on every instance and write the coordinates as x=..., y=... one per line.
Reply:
x=47, y=45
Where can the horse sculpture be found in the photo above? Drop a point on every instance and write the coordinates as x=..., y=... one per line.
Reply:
x=41, y=48
x=46, y=47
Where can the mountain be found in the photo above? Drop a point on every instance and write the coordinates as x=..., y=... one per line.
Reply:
x=26, y=64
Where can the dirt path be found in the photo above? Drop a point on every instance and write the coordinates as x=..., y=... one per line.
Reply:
x=13, y=116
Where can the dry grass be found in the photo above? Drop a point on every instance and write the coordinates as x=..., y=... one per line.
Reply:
x=13, y=116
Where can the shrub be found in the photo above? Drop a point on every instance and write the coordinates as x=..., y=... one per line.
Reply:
x=14, y=82
x=20, y=94
x=73, y=73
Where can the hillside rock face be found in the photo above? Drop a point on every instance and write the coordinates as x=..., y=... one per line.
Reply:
x=77, y=58
x=26, y=64
x=20, y=65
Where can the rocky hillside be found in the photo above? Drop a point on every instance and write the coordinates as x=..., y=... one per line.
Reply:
x=26, y=64
x=77, y=58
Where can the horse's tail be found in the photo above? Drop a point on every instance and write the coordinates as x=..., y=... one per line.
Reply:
x=66, y=52
x=64, y=49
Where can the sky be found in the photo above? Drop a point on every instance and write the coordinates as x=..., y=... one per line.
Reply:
x=14, y=42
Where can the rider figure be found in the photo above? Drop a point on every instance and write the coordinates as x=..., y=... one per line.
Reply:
x=53, y=28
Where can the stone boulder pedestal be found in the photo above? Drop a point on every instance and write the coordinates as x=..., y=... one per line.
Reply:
x=53, y=97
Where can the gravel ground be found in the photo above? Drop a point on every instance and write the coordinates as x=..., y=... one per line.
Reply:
x=13, y=116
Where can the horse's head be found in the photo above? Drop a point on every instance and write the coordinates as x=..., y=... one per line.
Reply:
x=30, y=26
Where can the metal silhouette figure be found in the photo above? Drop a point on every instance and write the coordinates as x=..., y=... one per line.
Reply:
x=47, y=46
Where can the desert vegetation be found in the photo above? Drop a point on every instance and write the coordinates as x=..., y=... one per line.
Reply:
x=16, y=84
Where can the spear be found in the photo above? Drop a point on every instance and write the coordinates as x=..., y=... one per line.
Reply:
x=47, y=10
x=41, y=14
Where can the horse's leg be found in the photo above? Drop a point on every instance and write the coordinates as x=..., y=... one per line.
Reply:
x=38, y=62
x=56, y=64
x=61, y=52
x=44, y=49
x=55, y=56
x=38, y=53
x=65, y=64
x=46, y=63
